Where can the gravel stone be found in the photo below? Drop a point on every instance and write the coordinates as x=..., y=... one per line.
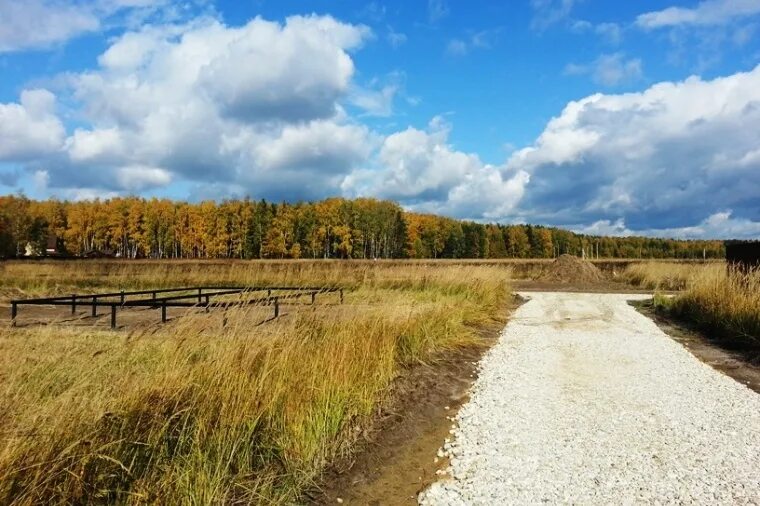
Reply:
x=584, y=400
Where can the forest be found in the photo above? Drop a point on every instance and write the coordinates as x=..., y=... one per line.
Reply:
x=134, y=227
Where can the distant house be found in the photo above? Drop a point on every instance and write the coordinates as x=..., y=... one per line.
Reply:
x=53, y=246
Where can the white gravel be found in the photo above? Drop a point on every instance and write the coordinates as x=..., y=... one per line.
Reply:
x=583, y=400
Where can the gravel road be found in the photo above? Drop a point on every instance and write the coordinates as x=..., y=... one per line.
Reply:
x=585, y=401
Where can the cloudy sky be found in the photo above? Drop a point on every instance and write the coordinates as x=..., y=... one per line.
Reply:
x=606, y=117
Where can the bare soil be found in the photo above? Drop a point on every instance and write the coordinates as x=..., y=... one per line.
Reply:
x=571, y=269
x=604, y=286
x=733, y=363
x=397, y=459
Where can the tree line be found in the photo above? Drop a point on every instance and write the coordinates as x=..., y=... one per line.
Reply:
x=134, y=227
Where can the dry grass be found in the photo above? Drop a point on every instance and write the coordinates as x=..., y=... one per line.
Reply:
x=725, y=304
x=194, y=413
x=668, y=276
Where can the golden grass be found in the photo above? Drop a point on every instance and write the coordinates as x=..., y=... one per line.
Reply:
x=193, y=413
x=726, y=304
x=669, y=276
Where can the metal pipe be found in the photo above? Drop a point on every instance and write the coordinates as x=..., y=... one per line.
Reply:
x=113, y=316
x=163, y=312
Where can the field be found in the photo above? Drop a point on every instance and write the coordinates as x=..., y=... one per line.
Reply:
x=725, y=304
x=195, y=412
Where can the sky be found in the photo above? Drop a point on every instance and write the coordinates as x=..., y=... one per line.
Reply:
x=612, y=118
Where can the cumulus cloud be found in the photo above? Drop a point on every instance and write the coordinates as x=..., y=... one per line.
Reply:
x=665, y=158
x=137, y=177
x=720, y=225
x=706, y=13
x=608, y=69
x=420, y=169
x=39, y=24
x=30, y=128
x=257, y=105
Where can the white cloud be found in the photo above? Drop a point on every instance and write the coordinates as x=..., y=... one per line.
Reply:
x=375, y=102
x=662, y=159
x=706, y=13
x=456, y=47
x=611, y=32
x=720, y=225
x=40, y=24
x=298, y=77
x=483, y=39
x=321, y=145
x=258, y=105
x=550, y=12
x=396, y=39
x=137, y=177
x=30, y=128
x=609, y=69
x=437, y=10
x=420, y=169
x=103, y=145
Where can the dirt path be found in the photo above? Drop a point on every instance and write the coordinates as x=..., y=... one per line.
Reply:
x=584, y=400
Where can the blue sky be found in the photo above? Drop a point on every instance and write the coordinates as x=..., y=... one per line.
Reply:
x=605, y=117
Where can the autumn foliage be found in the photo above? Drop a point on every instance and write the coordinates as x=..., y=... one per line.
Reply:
x=134, y=227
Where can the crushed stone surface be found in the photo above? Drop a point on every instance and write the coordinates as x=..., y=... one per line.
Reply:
x=583, y=400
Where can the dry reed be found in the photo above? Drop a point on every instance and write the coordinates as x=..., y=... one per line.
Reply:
x=194, y=413
x=724, y=303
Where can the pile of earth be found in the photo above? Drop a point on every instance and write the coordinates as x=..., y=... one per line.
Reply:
x=571, y=269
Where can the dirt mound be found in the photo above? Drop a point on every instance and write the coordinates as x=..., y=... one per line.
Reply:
x=571, y=269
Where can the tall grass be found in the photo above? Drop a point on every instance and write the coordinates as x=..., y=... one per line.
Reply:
x=726, y=304
x=192, y=412
x=668, y=276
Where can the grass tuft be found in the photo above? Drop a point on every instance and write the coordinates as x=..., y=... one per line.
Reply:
x=191, y=412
